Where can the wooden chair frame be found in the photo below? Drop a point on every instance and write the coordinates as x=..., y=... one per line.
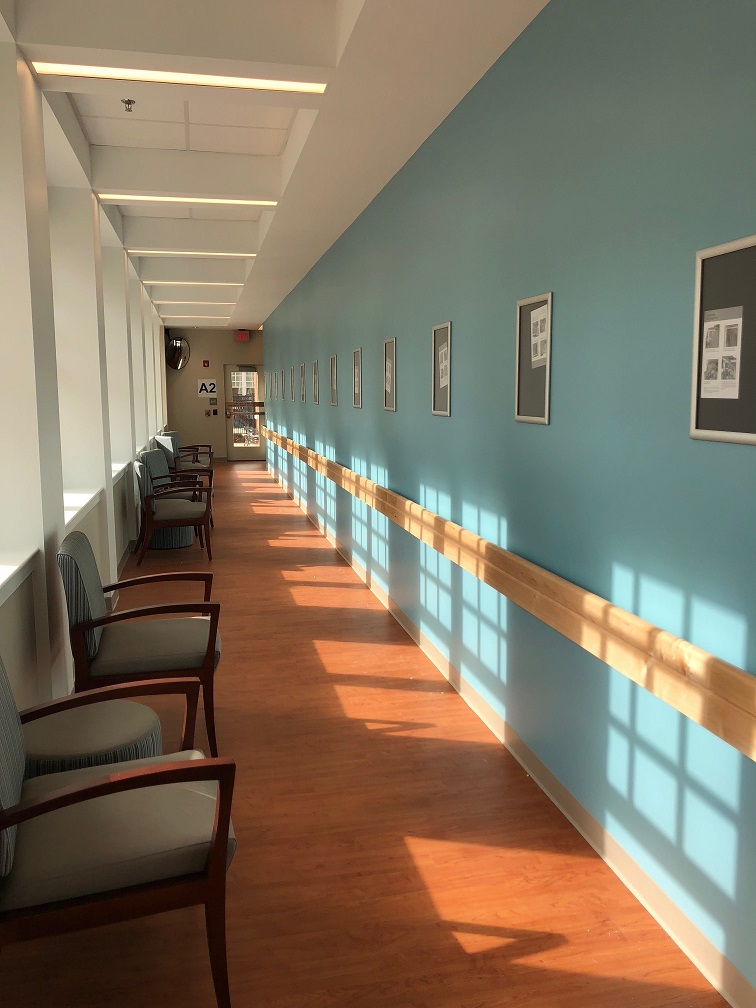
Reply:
x=84, y=680
x=150, y=523
x=190, y=687
x=207, y=887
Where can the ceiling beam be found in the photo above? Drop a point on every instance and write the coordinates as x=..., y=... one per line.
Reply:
x=186, y=173
x=165, y=269
x=183, y=235
x=299, y=32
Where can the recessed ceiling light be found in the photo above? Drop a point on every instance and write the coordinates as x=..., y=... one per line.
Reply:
x=169, y=77
x=191, y=283
x=168, y=252
x=130, y=198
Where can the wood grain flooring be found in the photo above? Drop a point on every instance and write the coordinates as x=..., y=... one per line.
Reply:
x=391, y=852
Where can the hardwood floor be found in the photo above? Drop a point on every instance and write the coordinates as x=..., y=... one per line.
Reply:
x=391, y=852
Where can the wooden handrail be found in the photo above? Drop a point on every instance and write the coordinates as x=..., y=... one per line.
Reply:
x=709, y=691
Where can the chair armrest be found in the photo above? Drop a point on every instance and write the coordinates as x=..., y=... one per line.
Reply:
x=145, y=687
x=161, y=482
x=160, y=494
x=206, y=576
x=220, y=769
x=211, y=609
x=196, y=447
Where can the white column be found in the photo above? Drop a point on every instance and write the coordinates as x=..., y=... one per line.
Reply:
x=115, y=294
x=29, y=404
x=137, y=362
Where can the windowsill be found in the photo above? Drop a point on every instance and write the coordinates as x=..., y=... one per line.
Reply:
x=119, y=469
x=78, y=504
x=15, y=568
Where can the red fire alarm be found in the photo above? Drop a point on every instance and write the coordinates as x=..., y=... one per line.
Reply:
x=242, y=336
x=205, y=363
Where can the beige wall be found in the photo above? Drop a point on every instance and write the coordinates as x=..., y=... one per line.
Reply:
x=186, y=410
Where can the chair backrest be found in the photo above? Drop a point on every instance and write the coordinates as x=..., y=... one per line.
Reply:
x=155, y=462
x=12, y=765
x=85, y=599
x=174, y=439
x=165, y=444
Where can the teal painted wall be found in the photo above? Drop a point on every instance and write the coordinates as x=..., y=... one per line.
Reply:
x=602, y=150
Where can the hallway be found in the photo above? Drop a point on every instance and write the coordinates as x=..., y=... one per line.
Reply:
x=391, y=852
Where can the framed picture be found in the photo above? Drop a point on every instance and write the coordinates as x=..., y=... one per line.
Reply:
x=283, y=384
x=334, y=395
x=389, y=375
x=533, y=359
x=723, y=386
x=315, y=383
x=291, y=382
x=440, y=395
x=357, y=378
x=302, y=394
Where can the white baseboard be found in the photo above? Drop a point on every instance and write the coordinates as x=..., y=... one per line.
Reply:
x=718, y=970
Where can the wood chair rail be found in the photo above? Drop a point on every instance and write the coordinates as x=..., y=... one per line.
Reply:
x=707, y=690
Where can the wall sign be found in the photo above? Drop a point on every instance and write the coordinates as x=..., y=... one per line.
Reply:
x=207, y=387
x=723, y=387
x=205, y=363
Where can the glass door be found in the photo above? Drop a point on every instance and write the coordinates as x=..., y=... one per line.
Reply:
x=245, y=411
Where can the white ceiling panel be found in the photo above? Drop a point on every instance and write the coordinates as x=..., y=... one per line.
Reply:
x=161, y=104
x=135, y=133
x=237, y=110
x=236, y=140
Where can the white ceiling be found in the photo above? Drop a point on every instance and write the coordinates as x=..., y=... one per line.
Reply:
x=393, y=71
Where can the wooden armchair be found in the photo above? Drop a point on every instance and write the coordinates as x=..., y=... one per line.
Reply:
x=123, y=646
x=175, y=506
x=99, y=845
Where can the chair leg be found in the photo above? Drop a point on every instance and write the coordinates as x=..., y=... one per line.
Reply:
x=146, y=536
x=207, y=540
x=208, y=699
x=198, y=530
x=215, y=924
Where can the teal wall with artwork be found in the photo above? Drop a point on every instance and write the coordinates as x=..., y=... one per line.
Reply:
x=602, y=150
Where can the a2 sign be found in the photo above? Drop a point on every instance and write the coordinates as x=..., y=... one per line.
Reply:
x=207, y=387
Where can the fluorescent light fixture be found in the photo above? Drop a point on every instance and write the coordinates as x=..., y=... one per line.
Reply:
x=224, y=317
x=169, y=77
x=168, y=252
x=216, y=304
x=126, y=198
x=191, y=283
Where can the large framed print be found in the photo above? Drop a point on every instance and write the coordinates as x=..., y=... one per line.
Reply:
x=723, y=385
x=283, y=384
x=441, y=378
x=315, y=383
x=302, y=393
x=389, y=375
x=533, y=359
x=275, y=384
x=334, y=391
x=291, y=383
x=357, y=378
